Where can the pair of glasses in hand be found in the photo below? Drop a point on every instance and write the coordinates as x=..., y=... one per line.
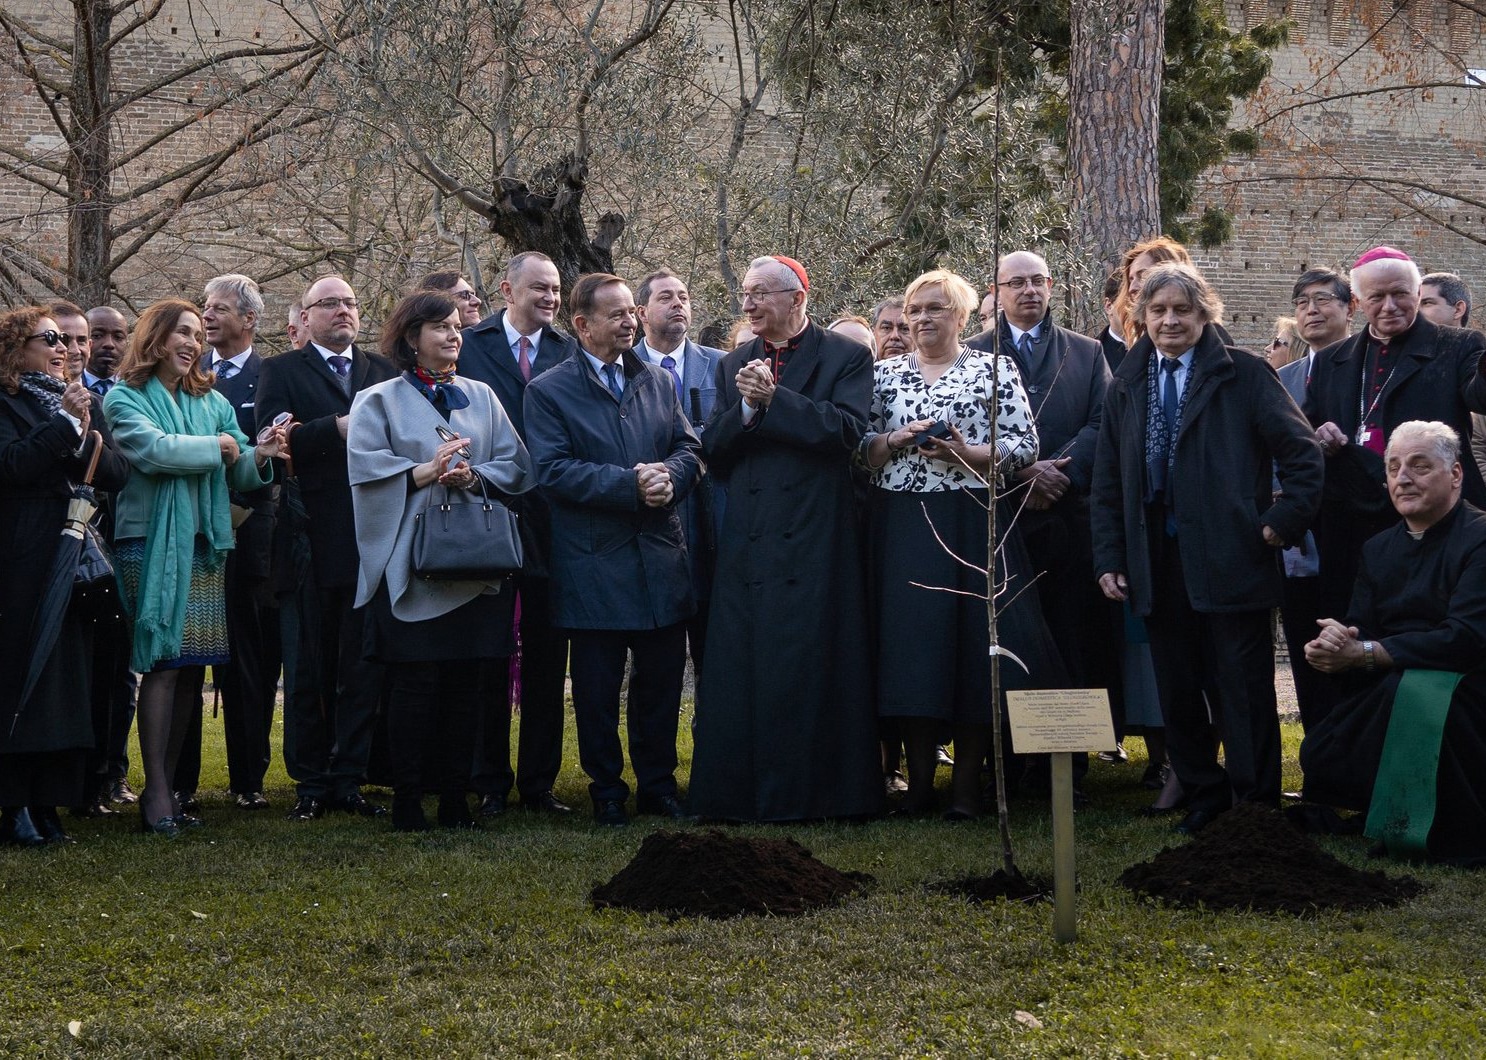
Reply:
x=463, y=452
x=281, y=420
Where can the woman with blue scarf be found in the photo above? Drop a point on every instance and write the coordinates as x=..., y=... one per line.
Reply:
x=45, y=421
x=429, y=431
x=173, y=529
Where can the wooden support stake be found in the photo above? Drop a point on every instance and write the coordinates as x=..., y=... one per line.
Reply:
x=1065, y=914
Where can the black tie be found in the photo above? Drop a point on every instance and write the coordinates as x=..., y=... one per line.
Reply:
x=1170, y=402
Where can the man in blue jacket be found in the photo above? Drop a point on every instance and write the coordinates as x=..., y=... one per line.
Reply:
x=614, y=454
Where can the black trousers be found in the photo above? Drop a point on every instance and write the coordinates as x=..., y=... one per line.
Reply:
x=1225, y=659
x=113, y=693
x=431, y=712
x=652, y=711
x=331, y=704
x=544, y=672
x=1300, y=607
x=249, y=682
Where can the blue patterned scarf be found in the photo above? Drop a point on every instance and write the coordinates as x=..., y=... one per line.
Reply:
x=1160, y=439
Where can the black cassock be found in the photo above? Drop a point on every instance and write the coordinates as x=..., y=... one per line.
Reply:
x=1424, y=601
x=786, y=728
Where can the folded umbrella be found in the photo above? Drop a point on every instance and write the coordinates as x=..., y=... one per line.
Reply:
x=51, y=609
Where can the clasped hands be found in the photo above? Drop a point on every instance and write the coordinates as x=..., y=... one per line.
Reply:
x=77, y=402
x=1047, y=484
x=653, y=481
x=755, y=383
x=951, y=450
x=1336, y=647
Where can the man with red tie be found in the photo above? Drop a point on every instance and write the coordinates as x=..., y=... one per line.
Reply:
x=506, y=351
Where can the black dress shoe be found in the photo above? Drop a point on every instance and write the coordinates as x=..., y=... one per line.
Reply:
x=454, y=812
x=306, y=808
x=48, y=825
x=662, y=806
x=407, y=814
x=492, y=805
x=357, y=803
x=119, y=791
x=942, y=756
x=95, y=809
x=546, y=802
x=188, y=820
x=187, y=801
x=1119, y=754
x=16, y=829
x=1195, y=821
x=610, y=812
x=252, y=800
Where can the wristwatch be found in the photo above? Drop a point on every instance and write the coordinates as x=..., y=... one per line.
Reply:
x=1369, y=658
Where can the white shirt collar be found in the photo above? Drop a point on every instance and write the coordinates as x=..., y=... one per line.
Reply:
x=513, y=336
x=327, y=354
x=1017, y=333
x=598, y=368
x=654, y=357
x=240, y=360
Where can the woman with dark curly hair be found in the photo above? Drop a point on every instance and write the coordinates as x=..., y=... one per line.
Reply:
x=44, y=426
x=173, y=529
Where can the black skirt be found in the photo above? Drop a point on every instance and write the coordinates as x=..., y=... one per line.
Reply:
x=933, y=647
x=480, y=629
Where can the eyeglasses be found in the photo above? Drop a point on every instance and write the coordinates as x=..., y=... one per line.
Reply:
x=1320, y=300
x=51, y=338
x=464, y=296
x=1280, y=344
x=932, y=310
x=758, y=294
x=332, y=303
x=1016, y=283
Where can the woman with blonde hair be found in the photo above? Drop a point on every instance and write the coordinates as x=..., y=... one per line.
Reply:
x=173, y=530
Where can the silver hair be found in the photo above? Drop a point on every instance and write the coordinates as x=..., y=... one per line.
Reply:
x=1185, y=278
x=781, y=271
x=241, y=289
x=1441, y=439
x=892, y=301
x=1411, y=266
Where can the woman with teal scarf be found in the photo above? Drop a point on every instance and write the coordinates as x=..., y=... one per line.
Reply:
x=173, y=529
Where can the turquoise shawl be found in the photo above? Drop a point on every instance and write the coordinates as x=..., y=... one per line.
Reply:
x=171, y=441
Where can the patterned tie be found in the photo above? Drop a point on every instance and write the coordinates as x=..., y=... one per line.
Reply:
x=342, y=366
x=101, y=387
x=226, y=370
x=669, y=364
x=523, y=357
x=611, y=377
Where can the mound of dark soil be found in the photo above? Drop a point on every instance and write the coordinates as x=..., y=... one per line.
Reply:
x=1011, y=886
x=708, y=873
x=1253, y=858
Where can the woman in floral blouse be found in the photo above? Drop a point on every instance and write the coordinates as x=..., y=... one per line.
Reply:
x=930, y=453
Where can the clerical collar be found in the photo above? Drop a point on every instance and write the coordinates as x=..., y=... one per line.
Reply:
x=1417, y=535
x=792, y=343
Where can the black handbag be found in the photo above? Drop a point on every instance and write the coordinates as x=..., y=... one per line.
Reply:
x=466, y=541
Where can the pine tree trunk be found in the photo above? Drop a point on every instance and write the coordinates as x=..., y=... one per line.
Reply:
x=1118, y=47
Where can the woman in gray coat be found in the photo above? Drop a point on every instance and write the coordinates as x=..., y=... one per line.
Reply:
x=423, y=433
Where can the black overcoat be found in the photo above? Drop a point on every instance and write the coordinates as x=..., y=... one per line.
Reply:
x=1237, y=418
x=37, y=467
x=300, y=382
x=616, y=563
x=786, y=727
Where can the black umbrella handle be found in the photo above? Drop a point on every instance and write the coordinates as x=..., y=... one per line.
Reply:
x=97, y=440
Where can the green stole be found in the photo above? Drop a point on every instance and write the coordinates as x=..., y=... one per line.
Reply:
x=1405, y=792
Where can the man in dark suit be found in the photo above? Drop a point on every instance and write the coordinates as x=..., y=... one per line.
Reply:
x=114, y=684
x=1065, y=376
x=664, y=307
x=506, y=351
x=329, y=716
x=1185, y=523
x=1323, y=310
x=1109, y=338
x=233, y=307
x=615, y=453
x=1401, y=367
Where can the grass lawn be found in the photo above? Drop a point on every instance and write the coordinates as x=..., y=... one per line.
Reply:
x=258, y=937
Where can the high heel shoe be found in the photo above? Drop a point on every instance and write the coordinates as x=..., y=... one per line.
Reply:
x=16, y=829
x=165, y=826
